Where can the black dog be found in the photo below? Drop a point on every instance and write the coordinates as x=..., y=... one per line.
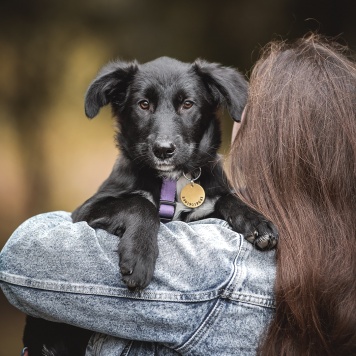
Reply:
x=168, y=134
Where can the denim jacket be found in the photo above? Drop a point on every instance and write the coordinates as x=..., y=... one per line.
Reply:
x=212, y=292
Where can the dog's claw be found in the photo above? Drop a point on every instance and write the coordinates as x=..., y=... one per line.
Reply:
x=138, y=278
x=264, y=236
x=267, y=241
x=131, y=284
x=125, y=271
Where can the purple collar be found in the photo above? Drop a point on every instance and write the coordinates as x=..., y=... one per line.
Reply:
x=168, y=200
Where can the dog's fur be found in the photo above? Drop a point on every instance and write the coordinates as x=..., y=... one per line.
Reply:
x=166, y=113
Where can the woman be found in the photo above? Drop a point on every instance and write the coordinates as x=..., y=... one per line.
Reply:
x=296, y=154
x=294, y=159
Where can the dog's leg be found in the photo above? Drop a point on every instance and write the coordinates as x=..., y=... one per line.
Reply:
x=247, y=221
x=135, y=220
x=254, y=226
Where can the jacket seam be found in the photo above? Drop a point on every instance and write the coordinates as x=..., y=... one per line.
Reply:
x=210, y=318
x=100, y=290
x=202, y=329
x=231, y=292
x=237, y=274
x=253, y=299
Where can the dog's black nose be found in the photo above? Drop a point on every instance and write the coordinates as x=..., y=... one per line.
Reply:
x=164, y=149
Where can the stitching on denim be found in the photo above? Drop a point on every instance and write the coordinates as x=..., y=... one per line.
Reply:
x=238, y=270
x=202, y=329
x=253, y=299
x=66, y=287
x=248, y=298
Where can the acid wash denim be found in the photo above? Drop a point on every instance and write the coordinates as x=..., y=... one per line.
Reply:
x=212, y=292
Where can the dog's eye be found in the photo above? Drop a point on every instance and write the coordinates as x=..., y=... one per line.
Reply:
x=187, y=104
x=144, y=104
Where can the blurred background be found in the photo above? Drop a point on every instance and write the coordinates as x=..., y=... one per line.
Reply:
x=51, y=157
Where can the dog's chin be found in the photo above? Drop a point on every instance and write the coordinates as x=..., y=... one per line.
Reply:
x=168, y=171
x=165, y=168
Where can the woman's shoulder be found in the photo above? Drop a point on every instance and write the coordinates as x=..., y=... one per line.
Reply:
x=208, y=254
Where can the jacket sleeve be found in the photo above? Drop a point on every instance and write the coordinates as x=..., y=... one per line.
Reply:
x=61, y=271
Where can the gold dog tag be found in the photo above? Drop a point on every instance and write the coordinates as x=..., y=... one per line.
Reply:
x=192, y=195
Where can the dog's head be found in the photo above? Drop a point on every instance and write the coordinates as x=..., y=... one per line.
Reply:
x=167, y=110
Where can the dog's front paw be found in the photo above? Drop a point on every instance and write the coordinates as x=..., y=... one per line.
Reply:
x=137, y=261
x=255, y=228
x=264, y=235
x=248, y=222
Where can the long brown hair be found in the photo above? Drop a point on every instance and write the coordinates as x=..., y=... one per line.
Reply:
x=295, y=155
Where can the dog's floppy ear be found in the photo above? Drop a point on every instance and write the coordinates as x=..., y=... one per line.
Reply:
x=227, y=86
x=113, y=78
